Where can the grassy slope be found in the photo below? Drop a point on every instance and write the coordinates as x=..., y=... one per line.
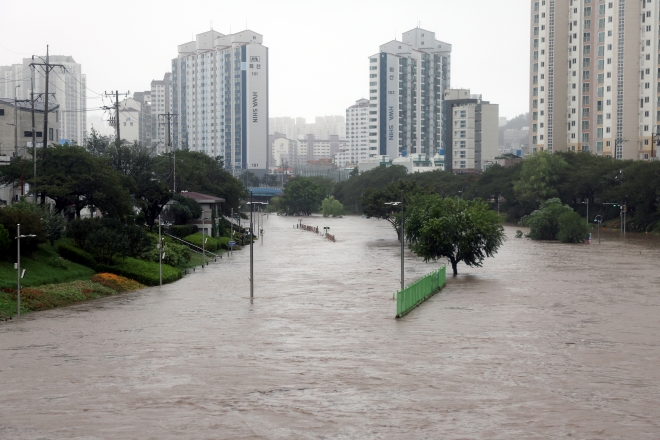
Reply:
x=39, y=271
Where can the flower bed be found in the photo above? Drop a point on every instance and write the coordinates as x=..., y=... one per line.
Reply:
x=117, y=282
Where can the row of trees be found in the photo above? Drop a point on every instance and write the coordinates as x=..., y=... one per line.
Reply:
x=576, y=179
x=121, y=179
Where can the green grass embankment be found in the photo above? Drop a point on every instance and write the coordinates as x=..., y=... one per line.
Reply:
x=44, y=266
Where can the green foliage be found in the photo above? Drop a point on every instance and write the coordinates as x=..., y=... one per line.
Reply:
x=539, y=177
x=459, y=230
x=182, y=231
x=212, y=244
x=332, y=207
x=196, y=171
x=374, y=201
x=175, y=254
x=106, y=237
x=302, y=195
x=184, y=210
x=555, y=221
x=59, y=262
x=31, y=224
x=572, y=228
x=145, y=272
x=5, y=241
x=274, y=204
x=76, y=255
x=41, y=269
x=349, y=192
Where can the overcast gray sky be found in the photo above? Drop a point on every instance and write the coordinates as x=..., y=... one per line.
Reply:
x=318, y=50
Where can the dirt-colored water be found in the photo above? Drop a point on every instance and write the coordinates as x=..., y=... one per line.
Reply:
x=545, y=341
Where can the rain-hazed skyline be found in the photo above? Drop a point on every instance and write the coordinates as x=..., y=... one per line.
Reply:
x=318, y=51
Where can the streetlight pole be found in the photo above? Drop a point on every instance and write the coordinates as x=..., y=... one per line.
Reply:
x=160, y=254
x=401, y=236
x=18, y=266
x=599, y=219
x=586, y=203
x=251, y=203
x=231, y=234
x=204, y=241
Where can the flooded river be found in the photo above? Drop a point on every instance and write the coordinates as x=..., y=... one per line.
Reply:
x=545, y=341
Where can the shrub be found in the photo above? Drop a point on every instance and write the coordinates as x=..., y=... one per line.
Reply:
x=57, y=295
x=145, y=272
x=175, y=254
x=544, y=222
x=76, y=255
x=117, y=282
x=5, y=241
x=58, y=262
x=332, y=207
x=22, y=213
x=211, y=245
x=106, y=237
x=182, y=231
x=572, y=228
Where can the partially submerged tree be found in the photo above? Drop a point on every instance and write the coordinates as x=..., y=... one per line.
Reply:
x=460, y=230
x=332, y=208
x=555, y=221
x=302, y=196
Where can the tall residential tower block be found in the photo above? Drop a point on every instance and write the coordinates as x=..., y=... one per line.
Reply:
x=407, y=81
x=220, y=94
x=594, y=76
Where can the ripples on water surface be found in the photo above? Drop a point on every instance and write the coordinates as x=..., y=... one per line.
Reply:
x=545, y=341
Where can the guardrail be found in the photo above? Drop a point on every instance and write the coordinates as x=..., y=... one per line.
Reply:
x=419, y=291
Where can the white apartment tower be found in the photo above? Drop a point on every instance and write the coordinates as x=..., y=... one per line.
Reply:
x=594, y=76
x=161, y=105
x=407, y=80
x=220, y=93
x=357, y=133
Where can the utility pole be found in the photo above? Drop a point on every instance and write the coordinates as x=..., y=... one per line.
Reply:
x=117, y=131
x=16, y=120
x=34, y=142
x=169, y=116
x=47, y=69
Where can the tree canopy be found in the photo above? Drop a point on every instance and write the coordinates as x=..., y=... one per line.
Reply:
x=302, y=195
x=460, y=230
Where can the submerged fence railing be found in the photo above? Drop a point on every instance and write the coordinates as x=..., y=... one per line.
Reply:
x=419, y=291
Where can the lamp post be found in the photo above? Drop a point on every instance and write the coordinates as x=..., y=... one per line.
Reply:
x=401, y=234
x=231, y=233
x=160, y=254
x=599, y=220
x=204, y=241
x=251, y=203
x=18, y=265
x=586, y=203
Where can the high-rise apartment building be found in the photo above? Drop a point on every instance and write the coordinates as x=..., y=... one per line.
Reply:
x=407, y=81
x=144, y=99
x=220, y=93
x=594, y=76
x=357, y=134
x=161, y=105
x=472, y=134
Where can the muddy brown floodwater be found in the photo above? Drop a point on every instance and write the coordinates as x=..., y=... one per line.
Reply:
x=545, y=341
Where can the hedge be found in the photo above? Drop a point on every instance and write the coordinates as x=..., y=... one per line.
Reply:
x=77, y=255
x=145, y=272
x=183, y=231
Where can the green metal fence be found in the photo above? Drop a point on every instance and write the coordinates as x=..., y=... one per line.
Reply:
x=419, y=291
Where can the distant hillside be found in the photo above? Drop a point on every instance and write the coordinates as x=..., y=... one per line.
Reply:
x=518, y=123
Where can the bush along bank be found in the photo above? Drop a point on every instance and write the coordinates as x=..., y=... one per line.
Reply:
x=144, y=272
x=50, y=296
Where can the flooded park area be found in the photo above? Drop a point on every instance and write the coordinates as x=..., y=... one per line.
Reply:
x=545, y=341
